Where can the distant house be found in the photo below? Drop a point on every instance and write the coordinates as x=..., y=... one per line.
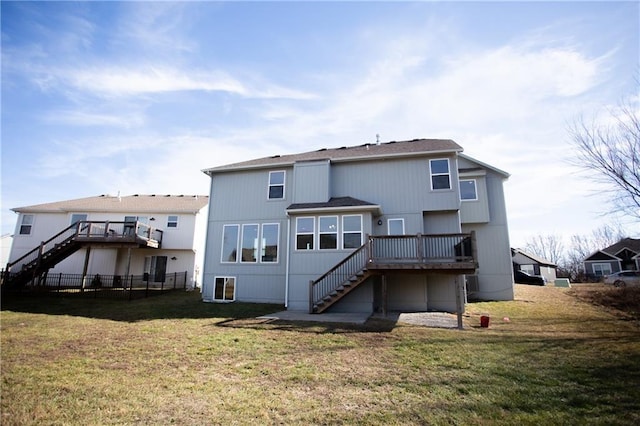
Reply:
x=397, y=225
x=623, y=255
x=533, y=265
x=154, y=235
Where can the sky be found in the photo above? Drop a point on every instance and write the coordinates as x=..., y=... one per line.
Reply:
x=140, y=97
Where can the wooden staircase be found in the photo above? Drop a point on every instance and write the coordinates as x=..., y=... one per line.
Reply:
x=35, y=264
x=441, y=253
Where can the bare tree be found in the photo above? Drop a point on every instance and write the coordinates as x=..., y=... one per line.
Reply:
x=548, y=247
x=610, y=153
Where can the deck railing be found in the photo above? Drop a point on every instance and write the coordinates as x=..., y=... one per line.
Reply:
x=87, y=231
x=384, y=251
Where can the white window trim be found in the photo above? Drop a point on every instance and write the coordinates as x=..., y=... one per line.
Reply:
x=336, y=233
x=256, y=248
x=395, y=219
x=608, y=266
x=475, y=186
x=262, y=241
x=177, y=221
x=283, y=184
x=213, y=288
x=237, y=244
x=312, y=233
x=33, y=221
x=431, y=174
x=351, y=232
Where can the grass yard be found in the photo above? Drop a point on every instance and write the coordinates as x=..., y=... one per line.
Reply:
x=552, y=356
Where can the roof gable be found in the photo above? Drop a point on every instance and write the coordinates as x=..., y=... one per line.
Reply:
x=630, y=244
x=361, y=152
x=125, y=204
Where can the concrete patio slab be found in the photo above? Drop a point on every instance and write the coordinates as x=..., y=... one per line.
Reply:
x=348, y=318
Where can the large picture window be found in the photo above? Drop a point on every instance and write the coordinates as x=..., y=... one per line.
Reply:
x=276, y=185
x=270, y=238
x=26, y=224
x=468, y=190
x=440, y=176
x=224, y=289
x=230, y=234
x=351, y=231
x=601, y=269
x=328, y=232
x=249, y=243
x=305, y=231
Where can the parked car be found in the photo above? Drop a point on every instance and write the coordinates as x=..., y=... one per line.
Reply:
x=623, y=279
x=521, y=277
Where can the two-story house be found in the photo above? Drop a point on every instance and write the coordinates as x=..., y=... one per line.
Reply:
x=151, y=235
x=395, y=226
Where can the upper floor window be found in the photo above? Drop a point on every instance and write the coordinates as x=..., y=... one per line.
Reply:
x=78, y=217
x=172, y=222
x=328, y=232
x=351, y=231
x=440, y=176
x=305, y=231
x=276, y=185
x=26, y=224
x=468, y=190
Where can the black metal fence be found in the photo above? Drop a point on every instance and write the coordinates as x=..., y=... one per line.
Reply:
x=97, y=285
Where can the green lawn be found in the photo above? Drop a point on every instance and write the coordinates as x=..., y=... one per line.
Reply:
x=547, y=358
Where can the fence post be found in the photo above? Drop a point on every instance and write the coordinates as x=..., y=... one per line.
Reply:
x=184, y=285
x=130, y=286
x=59, y=281
x=146, y=292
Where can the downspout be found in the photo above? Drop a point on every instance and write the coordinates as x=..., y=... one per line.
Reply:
x=286, y=273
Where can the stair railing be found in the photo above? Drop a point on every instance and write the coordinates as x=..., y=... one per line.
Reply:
x=339, y=274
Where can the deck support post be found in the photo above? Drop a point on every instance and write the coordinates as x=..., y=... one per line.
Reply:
x=458, y=302
x=384, y=295
x=85, y=268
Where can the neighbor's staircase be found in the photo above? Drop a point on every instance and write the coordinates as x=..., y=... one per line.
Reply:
x=35, y=264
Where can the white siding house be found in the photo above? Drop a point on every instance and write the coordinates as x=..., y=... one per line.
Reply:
x=179, y=220
x=416, y=219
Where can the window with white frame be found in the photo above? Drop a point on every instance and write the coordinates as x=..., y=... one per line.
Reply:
x=395, y=226
x=269, y=242
x=440, y=175
x=351, y=231
x=328, y=232
x=172, y=221
x=224, y=289
x=249, y=243
x=276, y=185
x=230, y=236
x=78, y=217
x=468, y=191
x=601, y=269
x=529, y=269
x=305, y=231
x=26, y=224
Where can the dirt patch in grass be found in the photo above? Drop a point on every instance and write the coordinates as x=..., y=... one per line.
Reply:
x=622, y=302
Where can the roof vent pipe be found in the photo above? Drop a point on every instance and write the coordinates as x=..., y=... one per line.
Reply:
x=377, y=139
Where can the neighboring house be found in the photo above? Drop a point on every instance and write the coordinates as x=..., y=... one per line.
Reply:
x=533, y=265
x=395, y=226
x=112, y=235
x=623, y=255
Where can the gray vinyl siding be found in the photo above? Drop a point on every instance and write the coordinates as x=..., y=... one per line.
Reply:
x=476, y=211
x=399, y=186
x=311, y=182
x=495, y=271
